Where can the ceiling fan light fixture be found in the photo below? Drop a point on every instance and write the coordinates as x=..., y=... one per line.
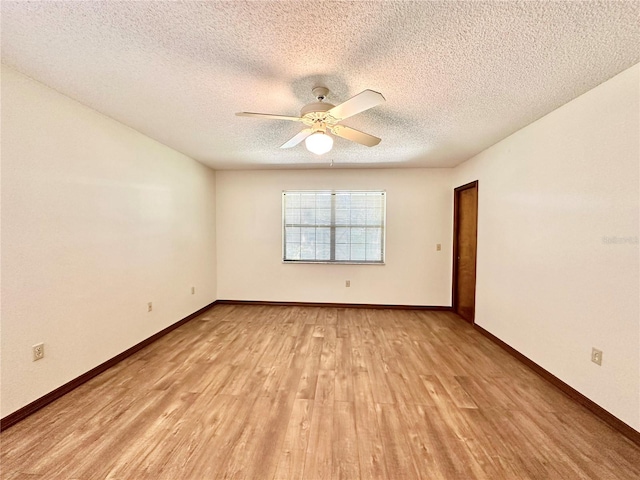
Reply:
x=320, y=117
x=319, y=143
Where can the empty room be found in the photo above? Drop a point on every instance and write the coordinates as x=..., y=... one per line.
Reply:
x=320, y=240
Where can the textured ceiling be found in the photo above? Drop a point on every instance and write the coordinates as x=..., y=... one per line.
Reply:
x=457, y=76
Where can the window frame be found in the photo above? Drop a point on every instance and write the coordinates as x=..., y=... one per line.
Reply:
x=333, y=226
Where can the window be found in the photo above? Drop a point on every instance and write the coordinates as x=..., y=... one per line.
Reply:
x=333, y=226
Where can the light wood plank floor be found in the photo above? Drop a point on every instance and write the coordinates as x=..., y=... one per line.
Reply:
x=255, y=392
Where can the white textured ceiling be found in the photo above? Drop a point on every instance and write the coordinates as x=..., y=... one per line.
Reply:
x=457, y=76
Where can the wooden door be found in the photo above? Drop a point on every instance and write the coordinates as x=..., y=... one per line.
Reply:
x=465, y=227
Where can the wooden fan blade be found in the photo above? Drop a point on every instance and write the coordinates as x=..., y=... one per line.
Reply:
x=297, y=139
x=355, y=135
x=361, y=102
x=268, y=116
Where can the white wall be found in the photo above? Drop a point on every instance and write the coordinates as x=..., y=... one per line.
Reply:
x=97, y=221
x=419, y=215
x=548, y=283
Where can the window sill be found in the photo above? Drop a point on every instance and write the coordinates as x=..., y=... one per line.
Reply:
x=307, y=262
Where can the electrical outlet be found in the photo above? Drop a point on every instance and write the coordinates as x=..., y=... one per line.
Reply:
x=149, y=307
x=193, y=290
x=347, y=283
x=38, y=351
x=596, y=356
x=438, y=246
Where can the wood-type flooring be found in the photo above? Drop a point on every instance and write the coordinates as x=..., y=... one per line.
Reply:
x=274, y=392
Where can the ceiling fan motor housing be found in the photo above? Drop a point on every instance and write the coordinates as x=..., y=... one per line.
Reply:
x=315, y=107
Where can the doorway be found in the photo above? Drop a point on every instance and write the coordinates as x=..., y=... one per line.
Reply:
x=465, y=237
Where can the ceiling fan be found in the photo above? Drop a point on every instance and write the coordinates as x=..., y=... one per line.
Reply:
x=321, y=117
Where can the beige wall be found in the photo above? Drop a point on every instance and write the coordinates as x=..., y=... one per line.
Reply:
x=97, y=221
x=551, y=282
x=419, y=215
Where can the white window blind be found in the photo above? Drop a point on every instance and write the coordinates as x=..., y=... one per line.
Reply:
x=333, y=226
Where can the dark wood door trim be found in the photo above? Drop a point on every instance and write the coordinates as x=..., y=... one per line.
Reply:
x=454, y=277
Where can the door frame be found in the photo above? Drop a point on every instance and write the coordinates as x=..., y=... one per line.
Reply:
x=454, y=276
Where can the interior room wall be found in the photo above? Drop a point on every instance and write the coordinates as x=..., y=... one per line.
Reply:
x=419, y=216
x=558, y=264
x=97, y=221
